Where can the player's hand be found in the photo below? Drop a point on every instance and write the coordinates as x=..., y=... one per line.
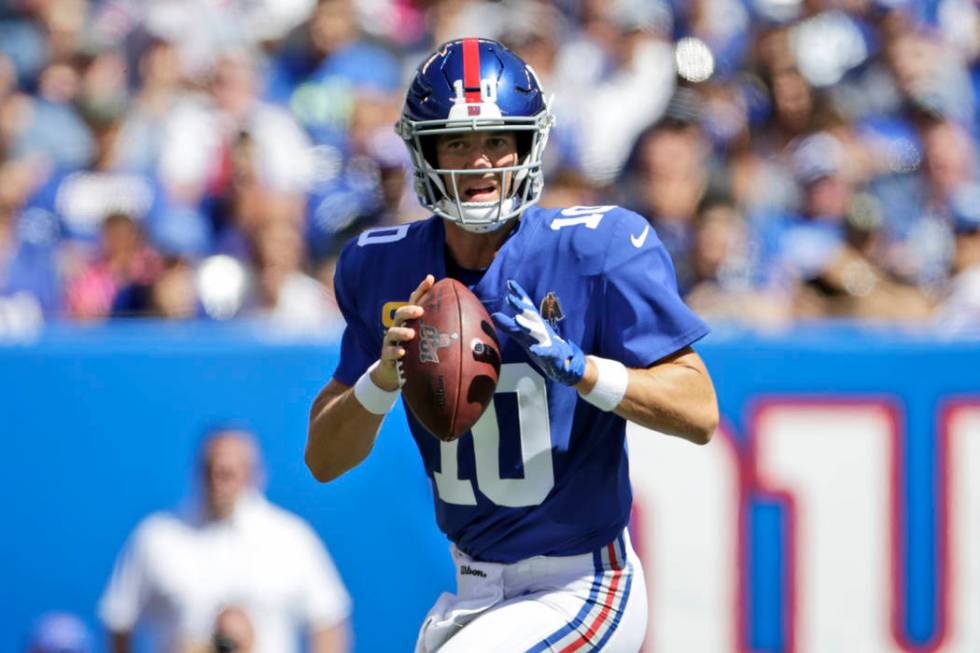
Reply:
x=560, y=359
x=387, y=375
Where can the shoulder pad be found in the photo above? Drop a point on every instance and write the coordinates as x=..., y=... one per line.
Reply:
x=377, y=240
x=593, y=233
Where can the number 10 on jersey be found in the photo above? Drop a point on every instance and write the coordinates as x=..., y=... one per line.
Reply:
x=534, y=428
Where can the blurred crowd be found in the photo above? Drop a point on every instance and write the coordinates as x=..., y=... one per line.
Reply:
x=191, y=159
x=227, y=571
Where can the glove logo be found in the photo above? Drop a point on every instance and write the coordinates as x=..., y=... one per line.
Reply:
x=430, y=341
x=550, y=309
x=561, y=360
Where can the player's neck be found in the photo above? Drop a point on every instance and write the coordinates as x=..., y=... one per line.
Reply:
x=475, y=251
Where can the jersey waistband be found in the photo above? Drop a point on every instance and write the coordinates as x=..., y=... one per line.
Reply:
x=473, y=576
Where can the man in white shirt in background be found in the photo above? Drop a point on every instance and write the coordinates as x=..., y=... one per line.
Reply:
x=178, y=572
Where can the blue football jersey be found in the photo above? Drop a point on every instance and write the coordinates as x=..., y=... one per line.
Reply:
x=542, y=472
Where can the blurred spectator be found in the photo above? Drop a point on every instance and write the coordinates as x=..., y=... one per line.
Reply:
x=345, y=92
x=853, y=283
x=926, y=71
x=200, y=135
x=368, y=186
x=173, y=295
x=620, y=51
x=959, y=312
x=47, y=125
x=799, y=244
x=59, y=632
x=30, y=286
x=566, y=187
x=534, y=30
x=320, y=74
x=169, y=291
x=205, y=120
x=123, y=259
x=726, y=281
x=80, y=199
x=829, y=256
x=178, y=571
x=723, y=25
x=286, y=296
x=22, y=41
x=242, y=206
x=918, y=206
x=201, y=30
x=159, y=90
x=797, y=108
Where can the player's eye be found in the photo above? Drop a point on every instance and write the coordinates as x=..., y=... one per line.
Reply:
x=453, y=144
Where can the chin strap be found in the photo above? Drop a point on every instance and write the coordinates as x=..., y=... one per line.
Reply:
x=478, y=217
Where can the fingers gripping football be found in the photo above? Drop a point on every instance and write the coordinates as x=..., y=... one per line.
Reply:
x=560, y=359
x=388, y=374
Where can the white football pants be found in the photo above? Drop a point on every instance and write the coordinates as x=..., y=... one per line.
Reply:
x=589, y=602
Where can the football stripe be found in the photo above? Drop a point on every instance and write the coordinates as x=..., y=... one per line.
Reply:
x=471, y=70
x=454, y=420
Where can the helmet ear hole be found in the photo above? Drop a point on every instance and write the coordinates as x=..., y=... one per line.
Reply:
x=428, y=144
x=524, y=141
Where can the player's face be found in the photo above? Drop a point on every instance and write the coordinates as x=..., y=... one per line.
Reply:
x=228, y=464
x=475, y=151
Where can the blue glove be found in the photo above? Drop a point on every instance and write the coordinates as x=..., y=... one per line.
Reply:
x=561, y=360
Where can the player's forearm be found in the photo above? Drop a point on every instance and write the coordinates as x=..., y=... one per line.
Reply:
x=341, y=432
x=676, y=401
x=330, y=640
x=675, y=396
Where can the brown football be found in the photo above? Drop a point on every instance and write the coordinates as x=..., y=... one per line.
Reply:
x=451, y=366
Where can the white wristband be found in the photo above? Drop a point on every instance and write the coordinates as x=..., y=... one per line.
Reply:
x=610, y=385
x=374, y=399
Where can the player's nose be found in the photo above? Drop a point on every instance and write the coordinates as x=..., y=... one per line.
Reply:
x=481, y=159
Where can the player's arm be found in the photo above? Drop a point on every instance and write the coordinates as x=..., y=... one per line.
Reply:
x=342, y=429
x=674, y=396
x=330, y=640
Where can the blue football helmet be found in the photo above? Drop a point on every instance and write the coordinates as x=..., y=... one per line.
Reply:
x=475, y=85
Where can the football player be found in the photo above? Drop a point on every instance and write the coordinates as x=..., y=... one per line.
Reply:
x=536, y=498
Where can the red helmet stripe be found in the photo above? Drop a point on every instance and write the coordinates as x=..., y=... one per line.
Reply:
x=471, y=70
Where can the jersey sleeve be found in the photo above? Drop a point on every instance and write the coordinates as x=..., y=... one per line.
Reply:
x=357, y=351
x=127, y=592
x=644, y=318
x=324, y=601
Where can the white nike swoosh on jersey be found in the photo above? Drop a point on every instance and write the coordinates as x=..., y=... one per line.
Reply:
x=642, y=238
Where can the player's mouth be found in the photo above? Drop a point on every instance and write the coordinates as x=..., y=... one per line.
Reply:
x=483, y=191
